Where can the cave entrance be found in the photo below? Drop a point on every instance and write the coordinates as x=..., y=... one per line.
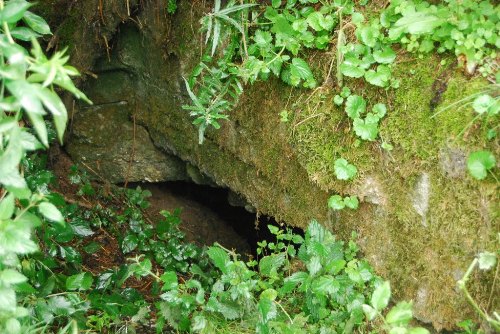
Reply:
x=209, y=214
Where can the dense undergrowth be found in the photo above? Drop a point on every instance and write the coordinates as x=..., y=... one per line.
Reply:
x=97, y=263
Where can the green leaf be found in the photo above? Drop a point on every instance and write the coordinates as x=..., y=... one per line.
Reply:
x=129, y=243
x=54, y=104
x=7, y=300
x=49, y=211
x=380, y=77
x=13, y=326
x=219, y=257
x=37, y=23
x=366, y=129
x=14, y=11
x=370, y=312
x=338, y=100
x=400, y=315
x=24, y=34
x=385, y=55
x=169, y=280
x=271, y=264
x=7, y=207
x=483, y=103
x=479, y=163
x=81, y=282
x=276, y=3
x=267, y=309
x=10, y=277
x=417, y=330
x=351, y=70
x=368, y=35
x=300, y=68
x=487, y=260
x=336, y=202
x=344, y=170
x=381, y=296
x=379, y=110
x=351, y=202
x=355, y=106
x=416, y=23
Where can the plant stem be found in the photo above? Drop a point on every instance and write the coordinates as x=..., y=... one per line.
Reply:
x=6, y=29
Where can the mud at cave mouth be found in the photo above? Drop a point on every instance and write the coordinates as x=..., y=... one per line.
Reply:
x=208, y=216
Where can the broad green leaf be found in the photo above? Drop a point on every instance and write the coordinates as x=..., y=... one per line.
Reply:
x=49, y=211
x=351, y=202
x=276, y=3
x=385, y=55
x=370, y=312
x=267, y=309
x=24, y=34
x=338, y=100
x=36, y=23
x=418, y=22
x=400, y=315
x=366, y=129
x=325, y=284
x=398, y=330
x=368, y=35
x=381, y=296
x=300, y=68
x=129, y=243
x=219, y=257
x=483, y=103
x=7, y=207
x=487, y=260
x=336, y=202
x=379, y=110
x=271, y=264
x=81, y=282
x=169, y=280
x=29, y=142
x=418, y=330
x=344, y=170
x=479, y=163
x=355, y=106
x=7, y=299
x=314, y=265
x=81, y=228
x=14, y=11
x=13, y=326
x=9, y=277
x=380, y=77
x=351, y=70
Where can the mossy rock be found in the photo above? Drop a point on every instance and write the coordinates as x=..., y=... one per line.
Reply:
x=422, y=218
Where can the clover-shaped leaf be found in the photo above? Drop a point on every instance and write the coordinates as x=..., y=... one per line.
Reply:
x=479, y=163
x=344, y=170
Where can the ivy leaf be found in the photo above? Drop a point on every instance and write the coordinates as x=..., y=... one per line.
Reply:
x=355, y=106
x=344, y=170
x=381, y=296
x=49, y=211
x=487, y=260
x=479, y=163
x=336, y=202
x=129, y=243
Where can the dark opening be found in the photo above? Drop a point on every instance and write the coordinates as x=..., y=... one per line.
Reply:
x=248, y=226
